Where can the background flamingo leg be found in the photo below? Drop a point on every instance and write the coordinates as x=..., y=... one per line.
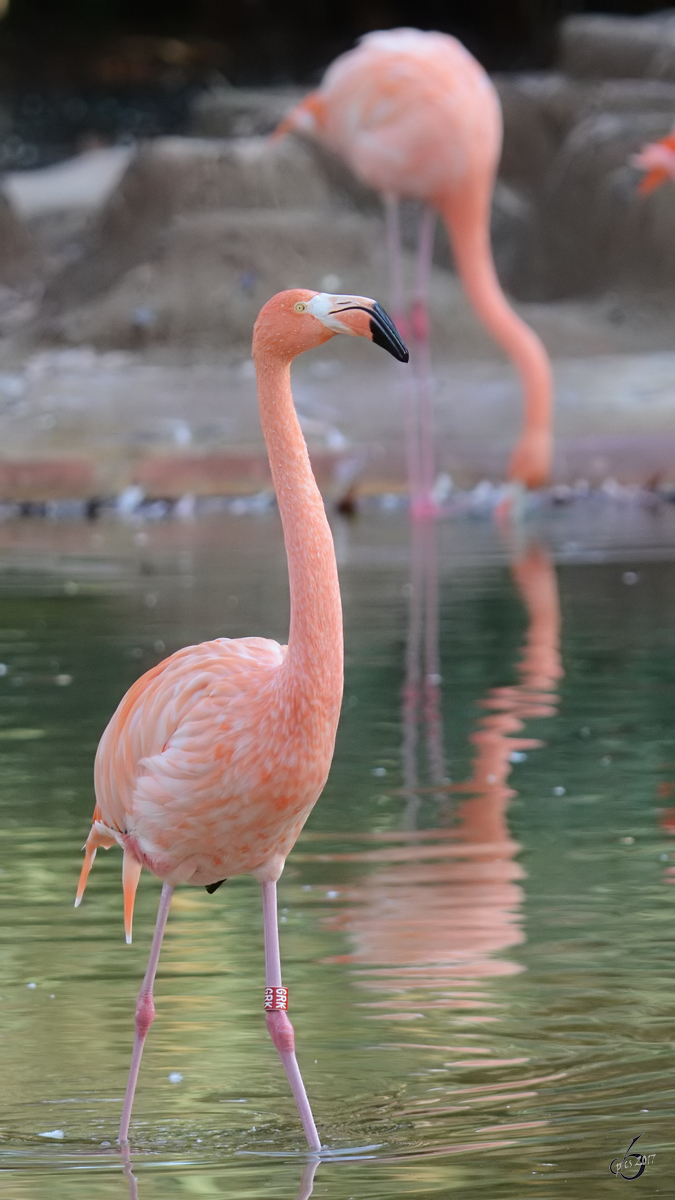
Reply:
x=278, y=1023
x=396, y=293
x=145, y=1010
x=419, y=324
x=397, y=303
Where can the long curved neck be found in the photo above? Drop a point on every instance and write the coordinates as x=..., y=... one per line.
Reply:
x=468, y=225
x=315, y=645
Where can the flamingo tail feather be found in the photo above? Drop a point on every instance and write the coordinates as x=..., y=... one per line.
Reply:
x=131, y=873
x=90, y=849
x=98, y=836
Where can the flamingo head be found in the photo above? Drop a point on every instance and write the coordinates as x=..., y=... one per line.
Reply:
x=298, y=320
x=307, y=118
x=657, y=160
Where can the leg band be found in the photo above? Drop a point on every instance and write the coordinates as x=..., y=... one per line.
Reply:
x=276, y=999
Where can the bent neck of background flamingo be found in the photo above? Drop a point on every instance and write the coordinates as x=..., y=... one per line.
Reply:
x=468, y=225
x=315, y=642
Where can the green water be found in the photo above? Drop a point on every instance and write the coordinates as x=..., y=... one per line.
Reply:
x=493, y=1020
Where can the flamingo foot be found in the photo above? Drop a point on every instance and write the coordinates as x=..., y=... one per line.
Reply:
x=530, y=462
x=511, y=507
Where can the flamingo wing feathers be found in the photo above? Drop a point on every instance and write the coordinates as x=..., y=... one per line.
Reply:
x=181, y=758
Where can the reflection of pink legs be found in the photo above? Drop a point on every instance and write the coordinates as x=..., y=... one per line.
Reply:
x=145, y=1009
x=433, y=718
x=304, y=1192
x=128, y=1173
x=422, y=690
x=307, y=1181
x=412, y=688
x=278, y=1023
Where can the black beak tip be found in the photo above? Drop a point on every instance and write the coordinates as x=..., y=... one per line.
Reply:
x=384, y=333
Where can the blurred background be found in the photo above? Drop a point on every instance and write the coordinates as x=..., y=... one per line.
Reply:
x=144, y=214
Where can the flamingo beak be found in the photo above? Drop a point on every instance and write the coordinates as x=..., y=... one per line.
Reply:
x=361, y=317
x=384, y=333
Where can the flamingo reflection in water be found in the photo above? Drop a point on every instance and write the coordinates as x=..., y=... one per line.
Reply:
x=444, y=903
x=304, y=1192
x=665, y=790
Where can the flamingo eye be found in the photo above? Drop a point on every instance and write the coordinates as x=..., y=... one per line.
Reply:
x=300, y=306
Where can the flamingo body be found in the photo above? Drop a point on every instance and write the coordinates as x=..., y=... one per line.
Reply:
x=414, y=115
x=214, y=758
x=208, y=769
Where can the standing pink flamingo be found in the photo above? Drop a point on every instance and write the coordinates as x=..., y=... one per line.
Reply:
x=414, y=115
x=214, y=759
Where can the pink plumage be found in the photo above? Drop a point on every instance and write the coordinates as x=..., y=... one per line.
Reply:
x=214, y=759
x=205, y=770
x=414, y=115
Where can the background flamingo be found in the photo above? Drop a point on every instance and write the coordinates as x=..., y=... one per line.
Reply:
x=214, y=759
x=414, y=115
x=657, y=160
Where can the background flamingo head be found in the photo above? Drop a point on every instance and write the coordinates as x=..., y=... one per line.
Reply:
x=657, y=160
x=307, y=117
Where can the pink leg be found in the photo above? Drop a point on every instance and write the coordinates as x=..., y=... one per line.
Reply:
x=145, y=1010
x=425, y=255
x=420, y=331
x=398, y=312
x=278, y=1023
x=393, y=224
